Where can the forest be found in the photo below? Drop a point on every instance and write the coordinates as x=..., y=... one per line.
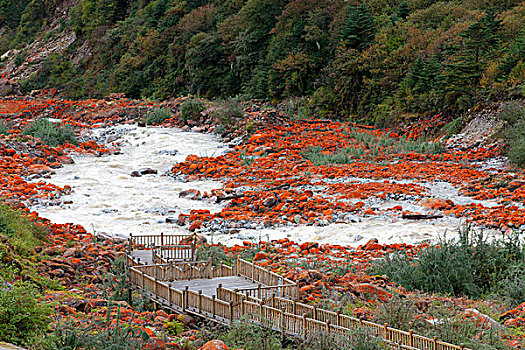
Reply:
x=370, y=60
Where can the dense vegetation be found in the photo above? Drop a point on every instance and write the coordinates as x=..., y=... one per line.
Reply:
x=374, y=58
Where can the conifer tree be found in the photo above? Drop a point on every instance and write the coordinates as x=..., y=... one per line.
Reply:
x=359, y=28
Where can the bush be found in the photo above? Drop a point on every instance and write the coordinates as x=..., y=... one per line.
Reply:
x=158, y=116
x=51, y=133
x=513, y=114
x=469, y=265
x=227, y=112
x=516, y=142
x=100, y=335
x=21, y=232
x=4, y=128
x=22, y=316
x=246, y=335
x=191, y=109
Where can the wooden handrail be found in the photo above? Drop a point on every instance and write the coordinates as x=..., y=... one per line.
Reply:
x=285, y=315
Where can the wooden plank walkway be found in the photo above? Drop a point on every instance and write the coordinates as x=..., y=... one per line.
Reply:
x=209, y=286
x=171, y=277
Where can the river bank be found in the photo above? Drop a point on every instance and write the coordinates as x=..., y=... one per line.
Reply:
x=300, y=197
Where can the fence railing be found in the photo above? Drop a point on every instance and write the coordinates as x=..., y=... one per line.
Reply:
x=153, y=241
x=254, y=304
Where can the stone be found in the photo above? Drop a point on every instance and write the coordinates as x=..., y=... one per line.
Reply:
x=215, y=345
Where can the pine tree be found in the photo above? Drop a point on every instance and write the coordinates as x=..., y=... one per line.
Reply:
x=359, y=29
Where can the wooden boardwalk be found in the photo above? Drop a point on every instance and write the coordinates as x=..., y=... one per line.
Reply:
x=165, y=267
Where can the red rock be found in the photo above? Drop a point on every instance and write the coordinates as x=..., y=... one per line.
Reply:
x=215, y=345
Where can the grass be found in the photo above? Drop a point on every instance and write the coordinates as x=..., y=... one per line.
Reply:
x=21, y=233
x=51, y=133
x=469, y=265
x=370, y=146
x=227, y=112
x=23, y=317
x=157, y=116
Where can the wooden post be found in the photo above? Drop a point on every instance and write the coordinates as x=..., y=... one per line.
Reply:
x=434, y=343
x=294, y=307
x=142, y=272
x=411, y=340
x=162, y=239
x=305, y=326
x=193, y=243
x=130, y=242
x=261, y=311
x=200, y=300
x=185, y=298
x=231, y=311
x=259, y=291
x=213, y=306
x=235, y=267
x=169, y=295
x=273, y=300
x=243, y=311
x=282, y=325
x=385, y=329
x=253, y=270
x=156, y=285
x=327, y=326
x=315, y=313
x=338, y=319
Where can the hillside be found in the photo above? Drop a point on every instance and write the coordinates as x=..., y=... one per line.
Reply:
x=373, y=60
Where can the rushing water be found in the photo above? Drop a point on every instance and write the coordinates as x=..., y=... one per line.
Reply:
x=106, y=198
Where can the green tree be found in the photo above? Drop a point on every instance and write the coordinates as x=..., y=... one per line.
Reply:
x=359, y=28
x=480, y=42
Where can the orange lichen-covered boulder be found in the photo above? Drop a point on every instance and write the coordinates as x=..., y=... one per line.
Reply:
x=215, y=345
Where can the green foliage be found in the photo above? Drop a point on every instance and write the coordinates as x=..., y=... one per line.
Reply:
x=99, y=335
x=4, y=128
x=213, y=252
x=453, y=127
x=227, y=112
x=191, y=109
x=243, y=334
x=174, y=327
x=369, y=60
x=513, y=114
x=51, y=133
x=158, y=116
x=22, y=233
x=116, y=282
x=470, y=265
x=23, y=316
x=359, y=29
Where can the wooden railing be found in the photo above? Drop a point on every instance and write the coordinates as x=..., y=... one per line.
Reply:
x=152, y=241
x=164, y=254
x=283, y=314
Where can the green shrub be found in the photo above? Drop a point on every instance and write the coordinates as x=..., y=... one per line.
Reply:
x=227, y=112
x=512, y=288
x=4, y=128
x=246, y=335
x=51, y=133
x=213, y=252
x=191, y=109
x=453, y=127
x=22, y=316
x=158, y=116
x=22, y=233
x=99, y=335
x=512, y=113
x=516, y=143
x=470, y=265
